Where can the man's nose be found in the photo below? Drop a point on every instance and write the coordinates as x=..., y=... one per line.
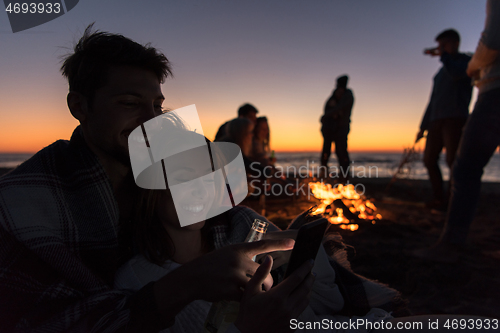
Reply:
x=150, y=115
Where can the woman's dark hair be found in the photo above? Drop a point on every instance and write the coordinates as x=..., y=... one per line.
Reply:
x=259, y=122
x=151, y=238
x=96, y=52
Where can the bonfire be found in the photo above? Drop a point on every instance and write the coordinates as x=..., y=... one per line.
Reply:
x=342, y=205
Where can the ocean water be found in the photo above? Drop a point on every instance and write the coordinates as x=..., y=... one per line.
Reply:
x=376, y=165
x=366, y=165
x=12, y=160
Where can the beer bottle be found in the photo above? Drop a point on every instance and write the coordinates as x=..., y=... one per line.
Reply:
x=222, y=314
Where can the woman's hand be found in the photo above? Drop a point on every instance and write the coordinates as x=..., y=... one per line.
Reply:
x=224, y=273
x=279, y=257
x=218, y=275
x=271, y=311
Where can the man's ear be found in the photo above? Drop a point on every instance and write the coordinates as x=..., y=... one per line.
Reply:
x=78, y=106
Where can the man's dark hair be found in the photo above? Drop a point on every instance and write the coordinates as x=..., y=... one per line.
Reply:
x=244, y=110
x=450, y=34
x=96, y=52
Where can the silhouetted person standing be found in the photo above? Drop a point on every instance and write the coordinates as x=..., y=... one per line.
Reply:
x=335, y=124
x=446, y=112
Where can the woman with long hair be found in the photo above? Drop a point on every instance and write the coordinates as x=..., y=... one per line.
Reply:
x=261, y=145
x=166, y=248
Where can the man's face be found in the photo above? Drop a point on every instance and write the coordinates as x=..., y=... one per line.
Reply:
x=448, y=46
x=130, y=97
x=252, y=116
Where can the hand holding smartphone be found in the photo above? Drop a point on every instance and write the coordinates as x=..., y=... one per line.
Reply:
x=307, y=244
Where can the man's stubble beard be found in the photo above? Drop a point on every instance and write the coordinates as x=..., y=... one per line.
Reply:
x=121, y=156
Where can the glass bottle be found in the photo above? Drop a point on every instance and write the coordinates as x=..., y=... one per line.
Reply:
x=222, y=314
x=272, y=155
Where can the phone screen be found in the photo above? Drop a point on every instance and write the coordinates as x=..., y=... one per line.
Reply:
x=307, y=244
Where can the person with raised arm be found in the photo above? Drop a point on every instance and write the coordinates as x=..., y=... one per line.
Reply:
x=446, y=112
x=480, y=139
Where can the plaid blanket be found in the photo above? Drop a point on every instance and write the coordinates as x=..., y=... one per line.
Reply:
x=360, y=293
x=59, y=248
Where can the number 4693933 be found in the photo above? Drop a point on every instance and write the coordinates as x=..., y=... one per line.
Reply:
x=33, y=8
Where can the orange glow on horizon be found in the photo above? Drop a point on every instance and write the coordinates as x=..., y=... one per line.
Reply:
x=31, y=130
x=33, y=136
x=25, y=133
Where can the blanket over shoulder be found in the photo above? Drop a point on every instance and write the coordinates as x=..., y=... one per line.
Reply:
x=59, y=248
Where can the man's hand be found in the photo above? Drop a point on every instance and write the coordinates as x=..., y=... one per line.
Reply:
x=483, y=57
x=420, y=135
x=433, y=52
x=271, y=311
x=473, y=72
x=279, y=257
x=218, y=275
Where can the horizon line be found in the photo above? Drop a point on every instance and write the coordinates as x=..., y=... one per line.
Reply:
x=380, y=151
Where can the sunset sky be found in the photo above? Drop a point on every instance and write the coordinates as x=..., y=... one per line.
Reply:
x=281, y=56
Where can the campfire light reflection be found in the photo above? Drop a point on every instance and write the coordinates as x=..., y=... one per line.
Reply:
x=343, y=195
x=352, y=227
x=340, y=218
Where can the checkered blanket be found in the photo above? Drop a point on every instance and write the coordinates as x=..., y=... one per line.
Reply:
x=59, y=247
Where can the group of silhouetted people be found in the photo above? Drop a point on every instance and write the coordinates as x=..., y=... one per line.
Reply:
x=470, y=147
x=469, y=140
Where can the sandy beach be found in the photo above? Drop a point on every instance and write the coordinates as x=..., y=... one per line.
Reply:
x=380, y=251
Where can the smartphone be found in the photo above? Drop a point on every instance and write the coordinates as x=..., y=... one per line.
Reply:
x=307, y=244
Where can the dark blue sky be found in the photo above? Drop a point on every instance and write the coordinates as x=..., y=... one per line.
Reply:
x=282, y=56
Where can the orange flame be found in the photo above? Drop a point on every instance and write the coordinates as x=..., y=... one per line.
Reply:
x=352, y=227
x=356, y=204
x=340, y=218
